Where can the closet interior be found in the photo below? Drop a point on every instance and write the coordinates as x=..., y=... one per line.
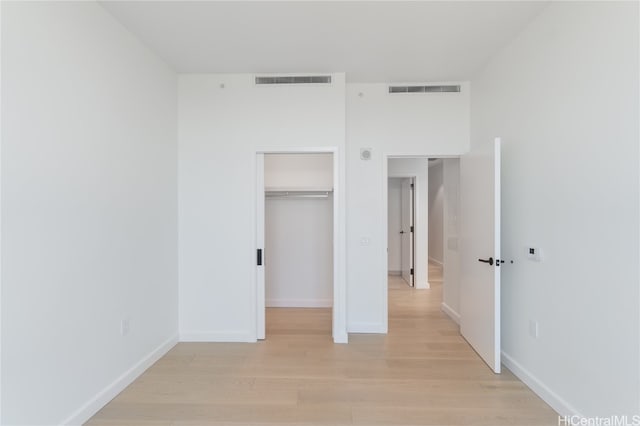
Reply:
x=298, y=230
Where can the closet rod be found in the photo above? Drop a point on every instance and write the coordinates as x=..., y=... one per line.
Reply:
x=297, y=194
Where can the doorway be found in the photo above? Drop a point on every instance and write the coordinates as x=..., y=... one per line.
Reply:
x=298, y=238
x=480, y=258
x=407, y=185
x=422, y=220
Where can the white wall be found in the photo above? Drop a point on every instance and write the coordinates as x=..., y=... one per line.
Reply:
x=89, y=210
x=298, y=232
x=564, y=98
x=299, y=252
x=436, y=212
x=298, y=171
x=400, y=124
x=451, y=251
x=418, y=168
x=394, y=224
x=220, y=130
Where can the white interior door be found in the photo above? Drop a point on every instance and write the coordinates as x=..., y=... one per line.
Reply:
x=406, y=231
x=480, y=246
x=260, y=272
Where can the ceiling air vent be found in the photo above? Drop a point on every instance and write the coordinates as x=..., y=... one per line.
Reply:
x=424, y=89
x=295, y=79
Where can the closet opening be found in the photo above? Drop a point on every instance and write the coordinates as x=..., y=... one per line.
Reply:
x=295, y=253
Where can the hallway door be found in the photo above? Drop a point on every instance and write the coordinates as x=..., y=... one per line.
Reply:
x=406, y=233
x=480, y=245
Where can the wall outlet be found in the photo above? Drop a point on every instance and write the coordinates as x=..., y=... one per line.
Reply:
x=533, y=329
x=125, y=326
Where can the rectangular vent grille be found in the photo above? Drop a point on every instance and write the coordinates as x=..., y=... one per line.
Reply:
x=424, y=89
x=301, y=79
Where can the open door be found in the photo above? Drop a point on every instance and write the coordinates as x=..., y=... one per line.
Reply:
x=480, y=246
x=260, y=273
x=406, y=233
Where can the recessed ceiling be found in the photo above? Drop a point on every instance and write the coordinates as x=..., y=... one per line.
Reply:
x=371, y=41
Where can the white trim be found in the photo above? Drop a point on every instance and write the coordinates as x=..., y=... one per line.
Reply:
x=299, y=303
x=259, y=289
x=339, y=318
x=450, y=312
x=543, y=391
x=298, y=150
x=217, y=336
x=425, y=285
x=497, y=209
x=340, y=337
x=384, y=249
x=366, y=327
x=102, y=398
x=1, y=145
x=437, y=262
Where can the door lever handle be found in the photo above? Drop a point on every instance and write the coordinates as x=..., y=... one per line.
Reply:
x=489, y=261
x=402, y=232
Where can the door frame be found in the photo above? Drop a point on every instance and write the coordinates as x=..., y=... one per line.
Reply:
x=339, y=310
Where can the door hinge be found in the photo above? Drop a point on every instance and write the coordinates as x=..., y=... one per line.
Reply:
x=259, y=259
x=411, y=272
x=411, y=186
x=411, y=228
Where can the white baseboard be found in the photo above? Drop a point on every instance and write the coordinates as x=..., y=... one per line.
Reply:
x=437, y=262
x=550, y=397
x=450, y=312
x=299, y=303
x=103, y=397
x=422, y=285
x=217, y=336
x=340, y=338
x=366, y=327
x=395, y=273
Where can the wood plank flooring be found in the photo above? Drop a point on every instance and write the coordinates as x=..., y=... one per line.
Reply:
x=421, y=373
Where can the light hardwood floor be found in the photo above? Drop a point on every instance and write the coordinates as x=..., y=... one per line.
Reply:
x=421, y=373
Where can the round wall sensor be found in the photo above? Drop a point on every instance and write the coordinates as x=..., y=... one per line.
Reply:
x=365, y=153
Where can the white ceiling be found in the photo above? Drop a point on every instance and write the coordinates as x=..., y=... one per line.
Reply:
x=389, y=41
